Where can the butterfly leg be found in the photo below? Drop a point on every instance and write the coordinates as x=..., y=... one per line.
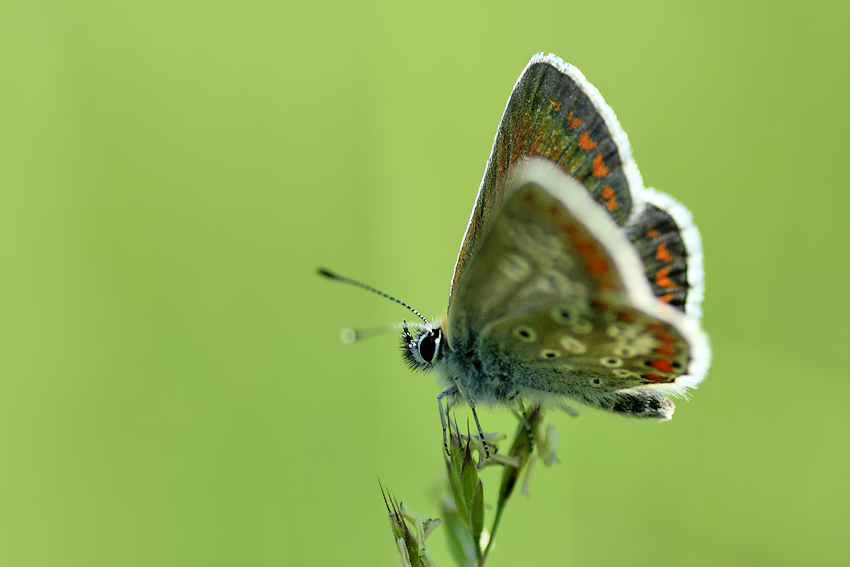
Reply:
x=480, y=431
x=569, y=410
x=453, y=394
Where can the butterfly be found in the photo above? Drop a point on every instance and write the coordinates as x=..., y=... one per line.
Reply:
x=573, y=280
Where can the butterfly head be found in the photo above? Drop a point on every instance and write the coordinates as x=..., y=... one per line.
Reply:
x=423, y=347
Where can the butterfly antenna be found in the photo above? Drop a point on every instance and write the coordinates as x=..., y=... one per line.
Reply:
x=343, y=279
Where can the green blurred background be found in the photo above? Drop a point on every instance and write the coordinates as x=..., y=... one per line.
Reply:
x=172, y=387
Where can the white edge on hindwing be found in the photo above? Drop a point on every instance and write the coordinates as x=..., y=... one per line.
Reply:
x=574, y=196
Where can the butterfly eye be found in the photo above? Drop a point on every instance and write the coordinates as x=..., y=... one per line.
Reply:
x=423, y=349
x=428, y=345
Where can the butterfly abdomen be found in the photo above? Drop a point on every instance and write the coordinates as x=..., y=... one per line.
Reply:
x=643, y=404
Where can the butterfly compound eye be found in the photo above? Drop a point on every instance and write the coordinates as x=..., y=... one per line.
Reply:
x=429, y=345
x=422, y=349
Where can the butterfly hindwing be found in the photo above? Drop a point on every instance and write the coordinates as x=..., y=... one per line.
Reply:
x=665, y=258
x=547, y=302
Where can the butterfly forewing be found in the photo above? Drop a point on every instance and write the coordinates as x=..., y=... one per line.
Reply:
x=553, y=112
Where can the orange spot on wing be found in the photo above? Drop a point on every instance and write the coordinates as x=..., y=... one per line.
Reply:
x=595, y=263
x=653, y=233
x=597, y=266
x=584, y=247
x=665, y=350
x=599, y=167
x=655, y=377
x=660, y=333
x=662, y=280
x=610, y=197
x=585, y=143
x=667, y=298
x=662, y=254
x=573, y=123
x=661, y=364
x=626, y=316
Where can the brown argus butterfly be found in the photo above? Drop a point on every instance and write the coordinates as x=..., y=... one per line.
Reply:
x=573, y=281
